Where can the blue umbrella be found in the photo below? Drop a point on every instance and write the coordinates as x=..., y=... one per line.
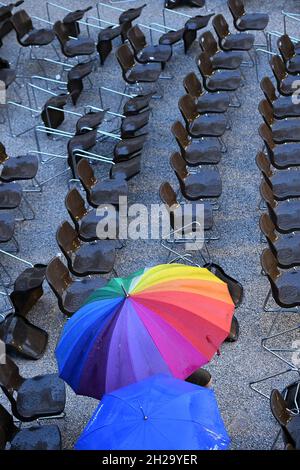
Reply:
x=160, y=412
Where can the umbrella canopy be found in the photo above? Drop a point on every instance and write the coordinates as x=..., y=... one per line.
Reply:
x=160, y=412
x=167, y=319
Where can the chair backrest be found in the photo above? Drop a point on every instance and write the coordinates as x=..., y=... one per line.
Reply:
x=131, y=14
x=220, y=26
x=267, y=136
x=22, y=23
x=125, y=58
x=61, y=32
x=236, y=8
x=208, y=43
x=3, y=154
x=204, y=64
x=167, y=194
x=270, y=267
x=268, y=89
x=278, y=68
x=86, y=174
x=279, y=408
x=193, y=85
x=67, y=238
x=58, y=276
x=267, y=194
x=75, y=205
x=179, y=166
x=268, y=228
x=10, y=378
x=180, y=134
x=188, y=108
x=136, y=38
x=263, y=163
x=7, y=427
x=286, y=47
x=266, y=111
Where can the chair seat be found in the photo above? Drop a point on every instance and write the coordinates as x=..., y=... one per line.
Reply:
x=108, y=191
x=90, y=121
x=20, y=336
x=198, y=22
x=23, y=167
x=288, y=285
x=159, y=53
x=238, y=42
x=89, y=223
x=293, y=65
x=212, y=125
x=128, y=147
x=128, y=168
x=137, y=104
x=42, y=395
x=37, y=438
x=95, y=258
x=109, y=33
x=288, y=215
x=28, y=288
x=288, y=249
x=81, y=46
x=287, y=155
x=284, y=107
x=192, y=214
x=206, y=183
x=79, y=291
x=7, y=227
x=202, y=153
x=287, y=130
x=147, y=73
x=80, y=71
x=172, y=37
x=224, y=80
x=131, y=124
x=39, y=37
x=230, y=60
x=286, y=85
x=7, y=76
x=30, y=278
x=213, y=102
x=286, y=184
x=10, y=195
x=253, y=21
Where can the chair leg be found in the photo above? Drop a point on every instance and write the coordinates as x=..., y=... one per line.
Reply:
x=8, y=282
x=223, y=145
x=36, y=187
x=236, y=103
x=28, y=205
x=17, y=258
x=60, y=416
x=276, y=439
x=253, y=387
x=275, y=351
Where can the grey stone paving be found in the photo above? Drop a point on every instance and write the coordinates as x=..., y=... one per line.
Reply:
x=246, y=414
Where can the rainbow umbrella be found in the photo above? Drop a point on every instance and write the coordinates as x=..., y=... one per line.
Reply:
x=168, y=319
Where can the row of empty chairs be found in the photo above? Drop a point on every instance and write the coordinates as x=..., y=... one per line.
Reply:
x=280, y=224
